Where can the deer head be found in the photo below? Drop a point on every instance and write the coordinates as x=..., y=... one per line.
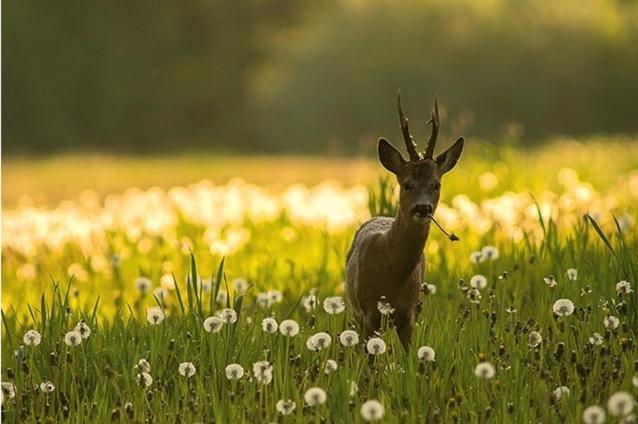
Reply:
x=420, y=176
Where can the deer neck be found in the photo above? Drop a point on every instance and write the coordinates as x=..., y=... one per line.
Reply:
x=406, y=240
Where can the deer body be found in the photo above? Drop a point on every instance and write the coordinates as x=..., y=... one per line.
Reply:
x=386, y=257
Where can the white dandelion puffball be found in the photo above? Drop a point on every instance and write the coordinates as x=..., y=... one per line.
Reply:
x=285, y=406
x=83, y=329
x=187, y=369
x=534, y=339
x=274, y=296
x=321, y=340
x=349, y=338
x=429, y=288
x=426, y=353
x=485, y=370
x=384, y=307
x=596, y=339
x=331, y=366
x=623, y=287
x=262, y=299
x=594, y=415
x=269, y=325
x=143, y=284
x=561, y=391
x=32, y=338
x=289, y=328
x=490, y=253
x=315, y=396
x=372, y=410
x=262, y=370
x=550, y=281
x=376, y=346
x=563, y=307
x=620, y=404
x=240, y=284
x=474, y=296
x=144, y=379
x=213, y=324
x=334, y=305
x=611, y=322
x=228, y=315
x=234, y=371
x=8, y=389
x=478, y=281
x=221, y=297
x=309, y=302
x=572, y=274
x=143, y=366
x=477, y=257
x=47, y=387
x=72, y=338
x=155, y=315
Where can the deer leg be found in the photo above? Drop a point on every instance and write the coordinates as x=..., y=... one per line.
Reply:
x=405, y=327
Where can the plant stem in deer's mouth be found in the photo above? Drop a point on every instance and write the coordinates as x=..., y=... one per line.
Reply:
x=450, y=236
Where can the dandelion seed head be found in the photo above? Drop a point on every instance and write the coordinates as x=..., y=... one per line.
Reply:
x=228, y=315
x=73, y=338
x=477, y=257
x=426, y=354
x=269, y=325
x=572, y=274
x=155, y=315
x=550, y=281
x=334, y=305
x=47, y=387
x=349, y=338
x=315, y=396
x=620, y=404
x=32, y=338
x=262, y=370
x=143, y=365
x=596, y=339
x=534, y=339
x=563, y=307
x=234, y=371
x=478, y=282
x=240, y=284
x=490, y=253
x=594, y=415
x=144, y=379
x=285, y=406
x=289, y=328
x=319, y=341
x=485, y=370
x=331, y=366
x=376, y=346
x=474, y=296
x=83, y=329
x=623, y=287
x=561, y=391
x=187, y=369
x=309, y=303
x=143, y=284
x=384, y=307
x=372, y=410
x=611, y=322
x=8, y=389
x=222, y=297
x=274, y=297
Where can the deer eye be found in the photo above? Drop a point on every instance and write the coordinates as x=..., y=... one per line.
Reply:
x=437, y=185
x=407, y=186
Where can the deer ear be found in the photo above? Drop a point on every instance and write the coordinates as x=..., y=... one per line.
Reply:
x=390, y=157
x=446, y=160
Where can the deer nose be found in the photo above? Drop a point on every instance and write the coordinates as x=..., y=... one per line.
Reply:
x=422, y=210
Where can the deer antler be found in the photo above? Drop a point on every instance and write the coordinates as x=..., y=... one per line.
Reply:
x=429, y=150
x=409, y=143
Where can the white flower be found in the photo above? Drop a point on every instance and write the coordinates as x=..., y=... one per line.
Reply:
x=550, y=281
x=534, y=339
x=72, y=338
x=289, y=328
x=83, y=329
x=474, y=296
x=8, y=389
x=286, y=406
x=213, y=324
x=228, y=315
x=309, y=302
x=315, y=396
x=561, y=391
x=372, y=410
x=331, y=365
x=594, y=415
x=572, y=274
x=349, y=338
x=274, y=296
x=240, y=284
x=428, y=288
x=32, y=338
x=620, y=404
x=478, y=281
x=334, y=305
x=596, y=339
x=269, y=325
x=376, y=346
x=623, y=287
x=187, y=369
x=426, y=353
x=477, y=257
x=384, y=307
x=143, y=366
x=611, y=322
x=490, y=253
x=234, y=371
x=155, y=315
x=143, y=284
x=484, y=370
x=563, y=307
x=262, y=299
x=262, y=371
x=47, y=387
x=319, y=341
x=144, y=379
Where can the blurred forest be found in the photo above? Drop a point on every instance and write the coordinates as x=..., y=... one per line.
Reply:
x=310, y=76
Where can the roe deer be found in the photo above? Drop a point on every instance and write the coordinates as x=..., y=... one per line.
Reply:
x=386, y=257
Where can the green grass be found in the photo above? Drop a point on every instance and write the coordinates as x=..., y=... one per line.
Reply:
x=96, y=381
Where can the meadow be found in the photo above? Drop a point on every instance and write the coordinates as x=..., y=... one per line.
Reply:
x=141, y=295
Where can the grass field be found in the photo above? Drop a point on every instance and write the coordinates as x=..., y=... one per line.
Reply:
x=187, y=277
